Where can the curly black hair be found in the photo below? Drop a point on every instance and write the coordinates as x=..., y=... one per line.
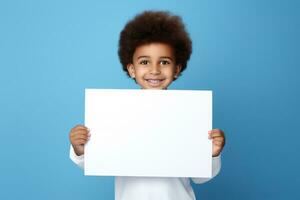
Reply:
x=155, y=26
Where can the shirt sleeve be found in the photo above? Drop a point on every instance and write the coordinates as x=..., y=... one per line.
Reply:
x=216, y=167
x=78, y=160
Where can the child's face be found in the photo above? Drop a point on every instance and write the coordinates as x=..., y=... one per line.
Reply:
x=154, y=66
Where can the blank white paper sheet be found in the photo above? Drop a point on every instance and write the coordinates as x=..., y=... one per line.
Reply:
x=157, y=133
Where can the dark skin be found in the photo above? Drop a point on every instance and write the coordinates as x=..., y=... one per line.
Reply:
x=157, y=63
x=218, y=141
x=79, y=135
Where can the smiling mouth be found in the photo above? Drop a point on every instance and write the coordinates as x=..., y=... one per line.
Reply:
x=154, y=82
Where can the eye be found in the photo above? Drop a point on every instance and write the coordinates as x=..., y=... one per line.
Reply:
x=144, y=62
x=164, y=62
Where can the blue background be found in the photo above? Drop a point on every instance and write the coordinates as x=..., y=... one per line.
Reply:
x=247, y=52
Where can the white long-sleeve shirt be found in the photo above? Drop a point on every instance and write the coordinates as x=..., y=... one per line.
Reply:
x=153, y=188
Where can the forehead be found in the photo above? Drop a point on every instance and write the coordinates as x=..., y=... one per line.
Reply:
x=154, y=50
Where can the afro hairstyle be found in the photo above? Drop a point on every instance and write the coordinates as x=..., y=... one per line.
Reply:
x=155, y=26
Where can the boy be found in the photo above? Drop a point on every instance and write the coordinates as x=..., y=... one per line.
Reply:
x=154, y=49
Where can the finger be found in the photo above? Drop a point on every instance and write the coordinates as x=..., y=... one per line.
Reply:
x=84, y=137
x=217, y=131
x=218, y=143
x=79, y=133
x=80, y=137
x=79, y=142
x=219, y=138
x=79, y=127
x=215, y=137
x=217, y=134
x=214, y=131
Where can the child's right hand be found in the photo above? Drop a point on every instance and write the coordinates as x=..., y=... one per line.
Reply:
x=79, y=135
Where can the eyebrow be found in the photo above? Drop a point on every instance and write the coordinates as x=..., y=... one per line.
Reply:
x=166, y=57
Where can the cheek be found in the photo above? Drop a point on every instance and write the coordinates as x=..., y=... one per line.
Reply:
x=139, y=73
x=170, y=72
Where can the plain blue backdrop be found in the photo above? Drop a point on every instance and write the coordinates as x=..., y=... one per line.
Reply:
x=247, y=52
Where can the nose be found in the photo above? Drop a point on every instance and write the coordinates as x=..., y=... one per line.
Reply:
x=155, y=69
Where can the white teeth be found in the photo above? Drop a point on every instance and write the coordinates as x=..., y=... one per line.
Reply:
x=153, y=80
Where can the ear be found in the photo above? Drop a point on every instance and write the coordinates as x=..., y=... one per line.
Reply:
x=177, y=70
x=131, y=71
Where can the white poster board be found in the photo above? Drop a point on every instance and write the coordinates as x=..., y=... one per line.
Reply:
x=158, y=133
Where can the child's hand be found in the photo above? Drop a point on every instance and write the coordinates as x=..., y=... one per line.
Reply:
x=79, y=135
x=218, y=138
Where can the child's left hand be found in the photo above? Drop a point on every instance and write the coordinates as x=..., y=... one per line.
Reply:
x=218, y=140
